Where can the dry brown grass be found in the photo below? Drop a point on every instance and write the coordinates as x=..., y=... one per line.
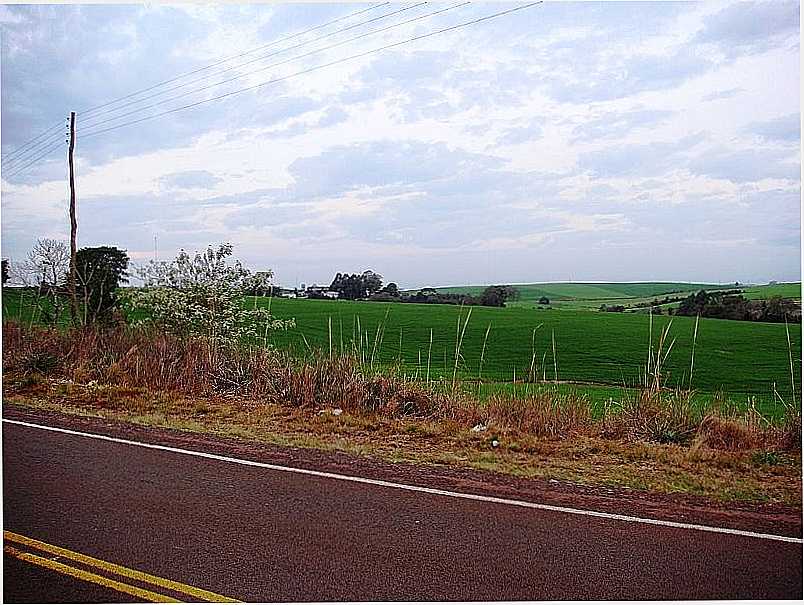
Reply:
x=157, y=362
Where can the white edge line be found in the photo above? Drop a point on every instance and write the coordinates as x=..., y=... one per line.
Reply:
x=417, y=488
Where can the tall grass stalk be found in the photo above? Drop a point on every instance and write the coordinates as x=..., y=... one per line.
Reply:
x=555, y=361
x=400, y=345
x=483, y=356
x=459, y=346
x=790, y=357
x=306, y=344
x=694, y=340
x=657, y=359
x=379, y=336
x=429, y=354
x=374, y=346
x=359, y=350
x=329, y=330
x=649, y=367
x=533, y=372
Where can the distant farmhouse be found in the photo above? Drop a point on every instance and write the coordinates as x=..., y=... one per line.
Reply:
x=313, y=291
x=320, y=292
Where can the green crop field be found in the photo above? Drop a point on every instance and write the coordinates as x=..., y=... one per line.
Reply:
x=787, y=290
x=605, y=348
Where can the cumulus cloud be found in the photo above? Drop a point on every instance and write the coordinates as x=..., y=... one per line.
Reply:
x=574, y=134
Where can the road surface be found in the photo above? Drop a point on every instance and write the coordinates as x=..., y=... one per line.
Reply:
x=257, y=534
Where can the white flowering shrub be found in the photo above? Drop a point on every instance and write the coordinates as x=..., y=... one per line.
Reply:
x=201, y=296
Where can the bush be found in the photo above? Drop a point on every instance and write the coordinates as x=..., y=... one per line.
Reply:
x=200, y=296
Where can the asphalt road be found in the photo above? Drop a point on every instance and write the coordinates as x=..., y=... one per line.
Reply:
x=256, y=534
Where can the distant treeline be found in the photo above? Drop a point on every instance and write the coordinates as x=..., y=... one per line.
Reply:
x=492, y=296
x=725, y=304
x=369, y=286
x=732, y=306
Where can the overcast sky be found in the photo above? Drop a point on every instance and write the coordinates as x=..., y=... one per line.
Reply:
x=567, y=141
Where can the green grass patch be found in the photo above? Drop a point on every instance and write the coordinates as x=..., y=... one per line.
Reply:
x=597, y=348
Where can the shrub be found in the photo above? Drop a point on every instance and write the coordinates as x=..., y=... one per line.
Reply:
x=200, y=296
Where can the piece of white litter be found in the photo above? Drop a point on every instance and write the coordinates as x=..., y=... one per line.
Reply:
x=337, y=412
x=479, y=428
x=495, y=443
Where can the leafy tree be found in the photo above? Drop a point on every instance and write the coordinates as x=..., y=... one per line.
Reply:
x=495, y=296
x=391, y=289
x=371, y=282
x=5, y=270
x=99, y=272
x=201, y=296
x=354, y=286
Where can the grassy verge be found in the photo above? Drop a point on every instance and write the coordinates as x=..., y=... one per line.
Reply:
x=653, y=439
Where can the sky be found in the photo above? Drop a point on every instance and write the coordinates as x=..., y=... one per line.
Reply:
x=562, y=142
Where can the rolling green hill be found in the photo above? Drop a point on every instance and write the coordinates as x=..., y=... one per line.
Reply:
x=592, y=295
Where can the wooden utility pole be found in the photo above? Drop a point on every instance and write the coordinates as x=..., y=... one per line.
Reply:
x=73, y=225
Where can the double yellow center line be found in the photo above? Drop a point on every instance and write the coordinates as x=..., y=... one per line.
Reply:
x=147, y=587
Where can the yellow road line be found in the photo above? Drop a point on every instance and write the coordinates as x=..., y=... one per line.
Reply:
x=199, y=593
x=89, y=577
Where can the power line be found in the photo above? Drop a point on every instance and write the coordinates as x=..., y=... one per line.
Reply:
x=284, y=61
x=322, y=66
x=28, y=149
x=9, y=156
x=34, y=161
x=248, y=52
x=249, y=62
x=29, y=153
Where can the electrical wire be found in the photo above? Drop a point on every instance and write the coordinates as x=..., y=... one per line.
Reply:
x=249, y=62
x=25, y=148
x=10, y=155
x=89, y=110
x=19, y=160
x=284, y=61
x=317, y=67
x=34, y=161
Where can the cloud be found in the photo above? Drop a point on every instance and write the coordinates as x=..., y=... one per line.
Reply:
x=785, y=128
x=383, y=163
x=611, y=124
x=750, y=27
x=190, y=179
x=722, y=94
x=622, y=75
x=522, y=134
x=747, y=165
x=552, y=143
x=650, y=159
